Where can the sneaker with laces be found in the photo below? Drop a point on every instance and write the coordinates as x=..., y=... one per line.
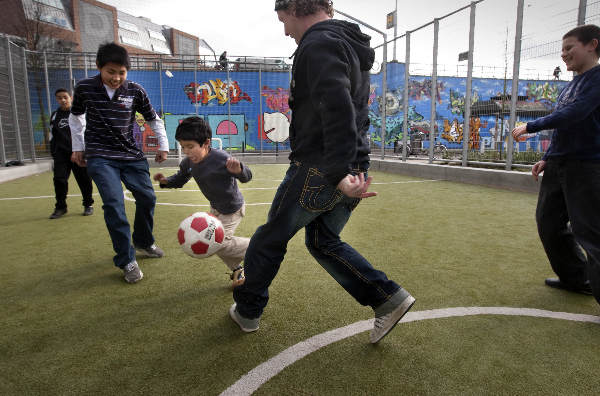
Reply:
x=388, y=314
x=88, y=210
x=132, y=273
x=58, y=213
x=151, y=251
x=237, y=276
x=247, y=325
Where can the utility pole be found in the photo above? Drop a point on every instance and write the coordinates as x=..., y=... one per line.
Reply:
x=395, y=29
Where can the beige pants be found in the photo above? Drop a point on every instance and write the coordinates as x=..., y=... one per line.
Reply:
x=234, y=248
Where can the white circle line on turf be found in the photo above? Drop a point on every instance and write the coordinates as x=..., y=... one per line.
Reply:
x=256, y=377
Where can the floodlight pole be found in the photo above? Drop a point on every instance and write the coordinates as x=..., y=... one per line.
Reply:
x=515, y=83
x=396, y=28
x=581, y=12
x=384, y=78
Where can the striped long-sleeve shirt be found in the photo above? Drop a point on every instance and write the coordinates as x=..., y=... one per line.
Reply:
x=109, y=122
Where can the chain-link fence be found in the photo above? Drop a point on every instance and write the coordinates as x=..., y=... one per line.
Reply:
x=470, y=64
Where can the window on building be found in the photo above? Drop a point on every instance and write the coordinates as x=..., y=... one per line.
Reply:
x=131, y=41
x=156, y=35
x=51, y=3
x=161, y=49
x=127, y=25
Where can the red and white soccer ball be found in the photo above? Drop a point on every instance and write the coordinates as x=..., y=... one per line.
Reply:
x=201, y=235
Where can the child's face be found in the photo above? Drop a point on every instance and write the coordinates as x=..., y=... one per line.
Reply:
x=64, y=100
x=195, y=151
x=577, y=56
x=113, y=74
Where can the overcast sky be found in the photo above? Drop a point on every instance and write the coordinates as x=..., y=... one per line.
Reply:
x=251, y=28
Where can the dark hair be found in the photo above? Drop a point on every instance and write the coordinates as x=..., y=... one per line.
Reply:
x=59, y=90
x=112, y=53
x=193, y=128
x=585, y=34
x=300, y=8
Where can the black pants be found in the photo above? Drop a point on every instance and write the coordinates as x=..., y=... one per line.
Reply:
x=62, y=171
x=570, y=192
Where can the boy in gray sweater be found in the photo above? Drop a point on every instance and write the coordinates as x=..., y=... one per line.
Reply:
x=216, y=174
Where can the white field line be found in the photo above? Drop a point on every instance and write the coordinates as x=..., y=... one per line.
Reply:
x=256, y=377
x=197, y=190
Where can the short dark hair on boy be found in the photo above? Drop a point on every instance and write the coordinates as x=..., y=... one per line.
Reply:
x=300, y=8
x=585, y=34
x=59, y=90
x=112, y=53
x=193, y=128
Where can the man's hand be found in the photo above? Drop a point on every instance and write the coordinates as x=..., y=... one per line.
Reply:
x=234, y=166
x=518, y=131
x=160, y=178
x=537, y=169
x=356, y=186
x=161, y=156
x=78, y=158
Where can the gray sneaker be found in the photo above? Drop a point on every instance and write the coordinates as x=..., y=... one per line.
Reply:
x=388, y=314
x=247, y=325
x=132, y=273
x=152, y=251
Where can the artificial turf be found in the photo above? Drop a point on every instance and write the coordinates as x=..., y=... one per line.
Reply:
x=71, y=325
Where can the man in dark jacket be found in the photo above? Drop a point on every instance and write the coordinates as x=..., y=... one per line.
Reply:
x=60, y=147
x=326, y=179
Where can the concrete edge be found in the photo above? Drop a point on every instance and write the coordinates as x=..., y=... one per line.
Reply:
x=29, y=169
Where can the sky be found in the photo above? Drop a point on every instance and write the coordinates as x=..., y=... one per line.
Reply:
x=251, y=27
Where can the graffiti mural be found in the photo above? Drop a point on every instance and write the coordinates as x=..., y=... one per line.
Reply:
x=144, y=136
x=275, y=126
x=222, y=91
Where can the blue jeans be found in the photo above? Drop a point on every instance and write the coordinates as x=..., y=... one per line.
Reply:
x=570, y=192
x=108, y=174
x=306, y=200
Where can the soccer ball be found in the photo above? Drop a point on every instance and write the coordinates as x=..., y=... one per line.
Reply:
x=201, y=235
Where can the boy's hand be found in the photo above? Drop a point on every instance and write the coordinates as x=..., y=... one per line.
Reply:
x=161, y=156
x=234, y=166
x=356, y=186
x=537, y=169
x=160, y=178
x=78, y=158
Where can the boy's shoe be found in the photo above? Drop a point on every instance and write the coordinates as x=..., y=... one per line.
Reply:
x=237, y=276
x=58, y=213
x=132, y=273
x=151, y=251
x=388, y=314
x=88, y=211
x=585, y=288
x=247, y=325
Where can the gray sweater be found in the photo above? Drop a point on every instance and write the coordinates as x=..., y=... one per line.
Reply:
x=214, y=180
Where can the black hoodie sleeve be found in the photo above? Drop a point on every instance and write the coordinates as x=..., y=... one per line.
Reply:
x=328, y=71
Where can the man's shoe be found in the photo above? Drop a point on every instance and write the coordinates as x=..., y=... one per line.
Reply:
x=88, y=211
x=388, y=314
x=247, y=325
x=238, y=277
x=558, y=284
x=132, y=273
x=151, y=251
x=58, y=213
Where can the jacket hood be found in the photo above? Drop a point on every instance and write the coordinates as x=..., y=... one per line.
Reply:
x=350, y=32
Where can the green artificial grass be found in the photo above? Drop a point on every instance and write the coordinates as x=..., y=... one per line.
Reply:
x=71, y=325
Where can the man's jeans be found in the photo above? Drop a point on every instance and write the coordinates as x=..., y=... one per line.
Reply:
x=570, y=191
x=306, y=199
x=108, y=174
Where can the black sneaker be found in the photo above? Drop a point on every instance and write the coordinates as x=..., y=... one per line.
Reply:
x=88, y=211
x=558, y=284
x=58, y=213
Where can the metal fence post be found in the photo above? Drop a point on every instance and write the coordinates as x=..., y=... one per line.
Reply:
x=467, y=115
x=85, y=68
x=11, y=79
x=2, y=151
x=49, y=103
x=515, y=83
x=383, y=95
x=28, y=101
x=196, y=84
x=581, y=12
x=436, y=30
x=406, y=82
x=261, y=122
x=162, y=107
x=70, y=74
x=228, y=107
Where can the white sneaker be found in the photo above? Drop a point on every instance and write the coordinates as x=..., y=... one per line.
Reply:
x=384, y=323
x=247, y=325
x=132, y=273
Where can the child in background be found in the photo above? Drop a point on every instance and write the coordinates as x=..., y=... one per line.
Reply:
x=216, y=174
x=104, y=106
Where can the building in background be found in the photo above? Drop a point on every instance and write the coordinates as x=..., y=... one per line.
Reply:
x=82, y=25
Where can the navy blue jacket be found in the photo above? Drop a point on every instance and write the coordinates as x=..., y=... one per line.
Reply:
x=329, y=95
x=576, y=120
